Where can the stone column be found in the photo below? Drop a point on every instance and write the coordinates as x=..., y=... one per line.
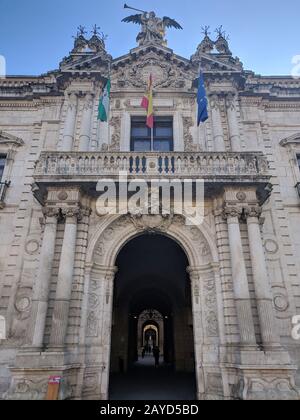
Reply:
x=239, y=277
x=69, y=128
x=195, y=277
x=98, y=329
x=217, y=127
x=85, y=130
x=270, y=336
x=42, y=284
x=64, y=281
x=234, y=132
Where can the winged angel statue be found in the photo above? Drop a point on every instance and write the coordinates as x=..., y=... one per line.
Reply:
x=153, y=27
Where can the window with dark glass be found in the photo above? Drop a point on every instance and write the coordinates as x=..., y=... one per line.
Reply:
x=2, y=165
x=141, y=140
x=298, y=160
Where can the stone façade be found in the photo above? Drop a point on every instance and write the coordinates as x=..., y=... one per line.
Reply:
x=56, y=151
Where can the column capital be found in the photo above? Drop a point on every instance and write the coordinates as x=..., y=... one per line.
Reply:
x=72, y=213
x=230, y=101
x=231, y=212
x=194, y=273
x=214, y=100
x=86, y=211
x=88, y=101
x=50, y=212
x=253, y=212
x=72, y=98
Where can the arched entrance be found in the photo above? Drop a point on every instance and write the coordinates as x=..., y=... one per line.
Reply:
x=152, y=299
x=196, y=291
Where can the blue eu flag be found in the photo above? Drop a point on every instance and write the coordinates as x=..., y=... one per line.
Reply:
x=202, y=101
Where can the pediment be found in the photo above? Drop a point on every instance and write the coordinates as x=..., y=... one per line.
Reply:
x=10, y=140
x=169, y=70
x=215, y=63
x=87, y=62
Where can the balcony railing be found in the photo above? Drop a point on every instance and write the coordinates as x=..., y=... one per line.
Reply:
x=92, y=165
x=3, y=189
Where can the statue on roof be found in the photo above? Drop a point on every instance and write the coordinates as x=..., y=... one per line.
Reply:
x=222, y=42
x=153, y=27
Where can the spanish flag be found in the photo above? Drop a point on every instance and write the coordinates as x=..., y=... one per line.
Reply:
x=147, y=103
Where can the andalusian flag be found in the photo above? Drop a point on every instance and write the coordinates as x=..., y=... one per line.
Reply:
x=147, y=103
x=104, y=104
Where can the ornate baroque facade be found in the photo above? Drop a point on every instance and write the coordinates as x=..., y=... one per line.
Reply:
x=58, y=257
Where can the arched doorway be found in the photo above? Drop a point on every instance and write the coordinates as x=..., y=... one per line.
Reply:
x=113, y=243
x=152, y=307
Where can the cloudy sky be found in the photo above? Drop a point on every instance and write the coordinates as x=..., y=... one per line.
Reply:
x=36, y=34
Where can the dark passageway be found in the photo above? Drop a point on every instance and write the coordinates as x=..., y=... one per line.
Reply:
x=152, y=310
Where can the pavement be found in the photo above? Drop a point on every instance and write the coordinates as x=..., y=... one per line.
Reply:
x=144, y=381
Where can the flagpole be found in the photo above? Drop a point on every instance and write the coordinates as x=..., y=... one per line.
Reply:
x=108, y=117
x=152, y=139
x=152, y=129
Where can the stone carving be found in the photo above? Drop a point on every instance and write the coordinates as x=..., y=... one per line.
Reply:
x=92, y=325
x=153, y=27
x=100, y=250
x=94, y=164
x=271, y=246
x=205, y=47
x=108, y=234
x=72, y=212
x=253, y=211
x=93, y=300
x=25, y=390
x=214, y=101
x=116, y=136
x=88, y=101
x=32, y=247
x=230, y=101
x=189, y=145
x=62, y=195
x=166, y=75
x=211, y=324
x=197, y=293
x=231, y=212
x=210, y=308
x=241, y=196
x=72, y=100
x=214, y=383
x=269, y=389
x=204, y=249
x=281, y=303
x=152, y=223
x=50, y=212
x=91, y=381
x=196, y=234
x=22, y=304
x=222, y=42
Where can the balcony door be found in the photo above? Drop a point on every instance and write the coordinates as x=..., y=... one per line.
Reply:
x=163, y=140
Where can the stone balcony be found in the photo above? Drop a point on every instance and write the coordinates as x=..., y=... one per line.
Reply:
x=216, y=169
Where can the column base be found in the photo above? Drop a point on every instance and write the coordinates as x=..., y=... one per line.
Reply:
x=265, y=384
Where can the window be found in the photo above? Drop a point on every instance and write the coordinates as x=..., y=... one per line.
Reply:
x=298, y=160
x=162, y=135
x=2, y=165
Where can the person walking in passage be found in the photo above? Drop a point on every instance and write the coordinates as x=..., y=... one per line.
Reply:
x=156, y=354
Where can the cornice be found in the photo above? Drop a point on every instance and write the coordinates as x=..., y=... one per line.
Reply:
x=291, y=140
x=6, y=138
